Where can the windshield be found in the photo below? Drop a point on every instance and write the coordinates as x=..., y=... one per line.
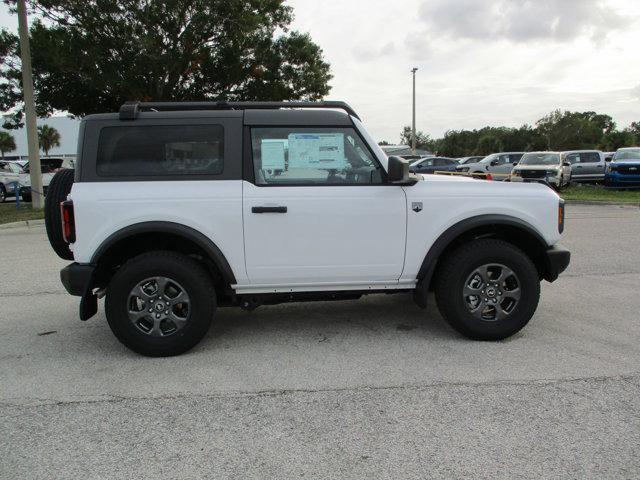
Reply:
x=630, y=154
x=540, y=159
x=489, y=158
x=14, y=167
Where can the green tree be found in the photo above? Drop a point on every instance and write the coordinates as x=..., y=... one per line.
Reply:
x=48, y=138
x=488, y=144
x=7, y=143
x=634, y=128
x=92, y=55
x=423, y=140
x=574, y=130
x=616, y=139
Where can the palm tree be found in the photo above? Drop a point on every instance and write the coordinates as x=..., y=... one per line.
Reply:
x=7, y=143
x=48, y=137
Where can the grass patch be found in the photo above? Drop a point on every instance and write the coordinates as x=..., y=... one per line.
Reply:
x=599, y=193
x=9, y=213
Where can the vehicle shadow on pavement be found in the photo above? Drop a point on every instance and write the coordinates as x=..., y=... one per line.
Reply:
x=385, y=315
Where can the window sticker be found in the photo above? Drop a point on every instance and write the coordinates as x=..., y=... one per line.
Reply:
x=317, y=150
x=272, y=154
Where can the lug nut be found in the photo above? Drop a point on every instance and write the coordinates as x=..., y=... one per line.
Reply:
x=486, y=299
x=167, y=303
x=151, y=310
x=151, y=301
x=157, y=315
x=166, y=312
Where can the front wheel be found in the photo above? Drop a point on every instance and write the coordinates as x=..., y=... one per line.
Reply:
x=160, y=304
x=487, y=289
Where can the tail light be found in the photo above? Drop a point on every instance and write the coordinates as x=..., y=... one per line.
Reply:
x=561, y=216
x=68, y=221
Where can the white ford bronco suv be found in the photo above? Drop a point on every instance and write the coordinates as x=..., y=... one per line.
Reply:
x=176, y=209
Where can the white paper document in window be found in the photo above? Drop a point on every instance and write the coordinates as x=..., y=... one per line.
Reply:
x=317, y=150
x=272, y=155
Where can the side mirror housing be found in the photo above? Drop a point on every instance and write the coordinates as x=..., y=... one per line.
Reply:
x=515, y=163
x=494, y=163
x=566, y=164
x=608, y=158
x=399, y=171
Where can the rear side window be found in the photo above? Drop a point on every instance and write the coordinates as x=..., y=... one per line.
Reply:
x=589, y=157
x=161, y=150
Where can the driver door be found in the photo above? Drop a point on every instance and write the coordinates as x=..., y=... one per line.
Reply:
x=318, y=212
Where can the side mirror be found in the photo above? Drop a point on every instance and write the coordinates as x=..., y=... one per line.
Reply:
x=399, y=171
x=566, y=164
x=515, y=163
x=608, y=159
x=494, y=163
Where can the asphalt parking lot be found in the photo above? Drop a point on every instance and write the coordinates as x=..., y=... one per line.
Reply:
x=375, y=388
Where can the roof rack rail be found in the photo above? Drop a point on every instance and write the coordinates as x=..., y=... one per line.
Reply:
x=130, y=110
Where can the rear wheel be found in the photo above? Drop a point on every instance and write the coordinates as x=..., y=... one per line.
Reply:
x=160, y=304
x=57, y=192
x=487, y=289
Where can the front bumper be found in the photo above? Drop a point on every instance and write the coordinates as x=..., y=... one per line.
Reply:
x=547, y=180
x=623, y=179
x=557, y=260
x=78, y=278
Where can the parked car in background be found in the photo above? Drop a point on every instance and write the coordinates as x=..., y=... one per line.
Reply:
x=469, y=160
x=586, y=165
x=18, y=171
x=10, y=173
x=543, y=167
x=624, y=169
x=434, y=164
x=499, y=165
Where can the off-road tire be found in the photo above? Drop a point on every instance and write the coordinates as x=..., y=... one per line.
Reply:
x=57, y=192
x=190, y=274
x=453, y=272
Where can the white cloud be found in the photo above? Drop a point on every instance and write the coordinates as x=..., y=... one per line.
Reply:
x=521, y=20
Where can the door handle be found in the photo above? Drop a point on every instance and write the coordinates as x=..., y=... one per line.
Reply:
x=268, y=209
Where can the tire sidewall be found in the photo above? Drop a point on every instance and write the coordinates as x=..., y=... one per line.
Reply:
x=201, y=296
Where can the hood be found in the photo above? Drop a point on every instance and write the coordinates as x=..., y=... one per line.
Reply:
x=629, y=161
x=447, y=178
x=536, y=167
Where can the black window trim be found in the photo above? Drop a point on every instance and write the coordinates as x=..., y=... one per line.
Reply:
x=232, y=131
x=161, y=175
x=248, y=163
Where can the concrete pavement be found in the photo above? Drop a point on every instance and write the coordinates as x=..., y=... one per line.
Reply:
x=359, y=389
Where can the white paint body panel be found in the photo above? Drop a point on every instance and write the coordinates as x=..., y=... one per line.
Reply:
x=213, y=208
x=335, y=234
x=449, y=200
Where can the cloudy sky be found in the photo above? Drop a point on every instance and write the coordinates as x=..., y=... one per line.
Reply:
x=481, y=62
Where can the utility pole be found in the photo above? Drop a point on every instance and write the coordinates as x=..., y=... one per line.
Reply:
x=413, y=125
x=37, y=198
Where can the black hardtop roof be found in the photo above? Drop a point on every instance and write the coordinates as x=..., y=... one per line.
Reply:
x=254, y=113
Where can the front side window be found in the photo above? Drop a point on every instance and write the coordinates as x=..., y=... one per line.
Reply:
x=290, y=156
x=161, y=150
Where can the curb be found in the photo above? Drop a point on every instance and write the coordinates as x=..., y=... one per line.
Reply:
x=23, y=223
x=602, y=202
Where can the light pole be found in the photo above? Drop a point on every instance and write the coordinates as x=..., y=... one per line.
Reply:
x=37, y=199
x=413, y=124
